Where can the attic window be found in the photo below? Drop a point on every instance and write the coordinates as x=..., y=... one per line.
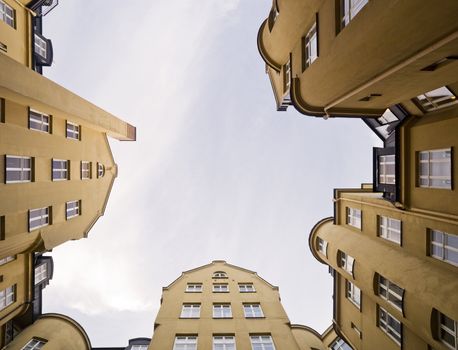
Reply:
x=219, y=274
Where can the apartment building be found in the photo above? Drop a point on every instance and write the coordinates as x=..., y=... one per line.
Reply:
x=222, y=306
x=356, y=58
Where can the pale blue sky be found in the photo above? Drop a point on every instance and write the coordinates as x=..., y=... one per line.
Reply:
x=216, y=172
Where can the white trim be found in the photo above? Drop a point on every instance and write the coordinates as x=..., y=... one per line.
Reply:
x=22, y=169
x=354, y=217
x=40, y=46
x=43, y=217
x=7, y=296
x=226, y=341
x=253, y=310
x=73, y=210
x=388, y=229
x=72, y=133
x=222, y=310
x=246, y=288
x=189, y=310
x=443, y=244
x=353, y=293
x=263, y=340
x=311, y=41
x=387, y=290
x=7, y=14
x=384, y=323
x=62, y=169
x=189, y=341
x=431, y=163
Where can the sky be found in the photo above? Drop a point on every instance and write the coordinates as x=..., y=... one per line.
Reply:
x=216, y=172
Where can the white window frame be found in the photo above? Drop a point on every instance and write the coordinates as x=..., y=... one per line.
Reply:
x=322, y=246
x=24, y=170
x=185, y=342
x=34, y=344
x=346, y=262
x=429, y=102
x=452, y=332
x=190, y=311
x=253, y=310
x=86, y=170
x=41, y=220
x=354, y=217
x=353, y=294
x=7, y=297
x=340, y=344
x=7, y=260
x=262, y=342
x=42, y=120
x=443, y=244
x=387, y=229
x=40, y=46
x=387, y=291
x=220, y=288
x=384, y=322
x=224, y=342
x=41, y=273
x=7, y=14
x=100, y=170
x=222, y=310
x=139, y=347
x=350, y=11
x=73, y=131
x=287, y=76
x=72, y=209
x=194, y=288
x=60, y=169
x=427, y=155
x=311, y=44
x=246, y=288
x=386, y=162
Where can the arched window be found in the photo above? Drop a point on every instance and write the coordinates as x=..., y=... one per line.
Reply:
x=219, y=274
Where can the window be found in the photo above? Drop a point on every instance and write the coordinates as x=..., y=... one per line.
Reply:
x=389, y=229
x=7, y=296
x=262, y=342
x=39, y=121
x=222, y=311
x=223, y=342
x=219, y=274
x=220, y=288
x=386, y=169
x=38, y=218
x=339, y=344
x=435, y=168
x=436, y=99
x=287, y=76
x=194, y=288
x=387, y=117
x=73, y=131
x=354, y=217
x=7, y=260
x=390, y=291
x=40, y=273
x=60, y=169
x=357, y=330
x=185, y=342
x=72, y=209
x=346, y=262
x=310, y=47
x=252, y=310
x=18, y=169
x=34, y=344
x=448, y=331
x=139, y=347
x=322, y=246
x=390, y=325
x=349, y=9
x=100, y=170
x=7, y=14
x=353, y=294
x=246, y=288
x=444, y=246
x=40, y=46
x=86, y=170
x=190, y=311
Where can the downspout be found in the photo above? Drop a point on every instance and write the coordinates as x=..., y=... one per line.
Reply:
x=392, y=70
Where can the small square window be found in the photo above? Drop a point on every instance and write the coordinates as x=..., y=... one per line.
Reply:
x=310, y=45
x=346, y=262
x=41, y=273
x=435, y=168
x=444, y=246
x=39, y=121
x=390, y=229
x=354, y=217
x=39, y=218
x=386, y=169
x=7, y=260
x=60, y=169
x=73, y=131
x=18, y=169
x=246, y=288
x=194, y=288
x=7, y=14
x=222, y=311
x=448, y=331
x=390, y=291
x=262, y=342
x=86, y=170
x=7, y=297
x=287, y=77
x=223, y=342
x=40, y=46
x=100, y=170
x=322, y=246
x=353, y=294
x=72, y=209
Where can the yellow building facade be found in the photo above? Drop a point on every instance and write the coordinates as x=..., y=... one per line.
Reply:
x=355, y=58
x=222, y=306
